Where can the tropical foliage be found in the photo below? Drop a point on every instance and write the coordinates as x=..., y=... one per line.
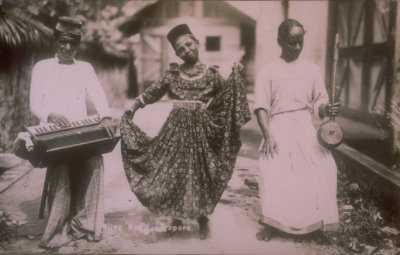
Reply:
x=102, y=18
x=19, y=35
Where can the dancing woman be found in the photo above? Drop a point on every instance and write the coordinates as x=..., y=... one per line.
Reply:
x=183, y=171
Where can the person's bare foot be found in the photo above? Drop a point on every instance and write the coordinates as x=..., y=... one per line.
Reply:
x=320, y=237
x=204, y=230
x=265, y=234
x=177, y=223
x=173, y=228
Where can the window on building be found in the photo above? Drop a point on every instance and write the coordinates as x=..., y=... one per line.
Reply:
x=214, y=9
x=213, y=43
x=187, y=8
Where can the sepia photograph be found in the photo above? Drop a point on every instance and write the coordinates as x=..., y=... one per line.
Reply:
x=200, y=127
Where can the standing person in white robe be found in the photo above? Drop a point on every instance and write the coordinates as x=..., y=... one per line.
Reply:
x=297, y=176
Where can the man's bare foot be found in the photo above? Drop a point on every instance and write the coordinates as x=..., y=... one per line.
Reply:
x=173, y=228
x=204, y=230
x=264, y=234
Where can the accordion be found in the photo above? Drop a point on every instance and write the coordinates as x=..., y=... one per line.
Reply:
x=56, y=145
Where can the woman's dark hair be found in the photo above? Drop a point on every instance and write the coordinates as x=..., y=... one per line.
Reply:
x=286, y=26
x=58, y=34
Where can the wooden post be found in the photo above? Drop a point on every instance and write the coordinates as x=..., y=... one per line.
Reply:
x=44, y=194
x=285, y=8
x=198, y=8
x=395, y=104
x=268, y=19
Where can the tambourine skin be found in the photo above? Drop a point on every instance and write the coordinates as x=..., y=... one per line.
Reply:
x=330, y=134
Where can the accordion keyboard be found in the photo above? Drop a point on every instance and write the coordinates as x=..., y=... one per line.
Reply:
x=53, y=128
x=54, y=143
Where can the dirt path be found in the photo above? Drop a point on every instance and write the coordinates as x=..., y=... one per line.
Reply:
x=131, y=228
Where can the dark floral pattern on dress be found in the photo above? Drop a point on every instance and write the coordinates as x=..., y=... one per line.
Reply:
x=183, y=171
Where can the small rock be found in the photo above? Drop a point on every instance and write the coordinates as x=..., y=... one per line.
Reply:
x=354, y=187
x=11, y=223
x=390, y=230
x=251, y=184
x=389, y=243
x=30, y=237
x=347, y=207
x=355, y=245
x=370, y=249
x=377, y=217
x=346, y=213
x=22, y=222
x=387, y=252
x=66, y=249
x=225, y=201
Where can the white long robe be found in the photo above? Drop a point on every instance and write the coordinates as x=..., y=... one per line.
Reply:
x=75, y=189
x=298, y=186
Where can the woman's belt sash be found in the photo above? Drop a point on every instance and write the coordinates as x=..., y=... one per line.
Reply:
x=306, y=108
x=189, y=104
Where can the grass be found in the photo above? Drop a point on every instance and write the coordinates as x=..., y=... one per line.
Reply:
x=8, y=226
x=361, y=221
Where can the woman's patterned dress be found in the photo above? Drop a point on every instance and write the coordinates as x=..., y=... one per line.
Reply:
x=183, y=171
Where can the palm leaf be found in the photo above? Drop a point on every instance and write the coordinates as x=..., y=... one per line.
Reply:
x=6, y=34
x=18, y=31
x=16, y=35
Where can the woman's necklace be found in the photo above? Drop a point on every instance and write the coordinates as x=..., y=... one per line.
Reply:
x=196, y=70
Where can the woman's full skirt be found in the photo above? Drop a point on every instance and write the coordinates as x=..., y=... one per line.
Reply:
x=183, y=171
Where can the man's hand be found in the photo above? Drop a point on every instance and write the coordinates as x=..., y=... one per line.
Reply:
x=58, y=119
x=329, y=110
x=106, y=123
x=269, y=148
x=332, y=109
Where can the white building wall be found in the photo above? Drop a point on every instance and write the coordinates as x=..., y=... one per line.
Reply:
x=314, y=17
x=224, y=58
x=269, y=17
x=312, y=14
x=230, y=43
x=230, y=47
